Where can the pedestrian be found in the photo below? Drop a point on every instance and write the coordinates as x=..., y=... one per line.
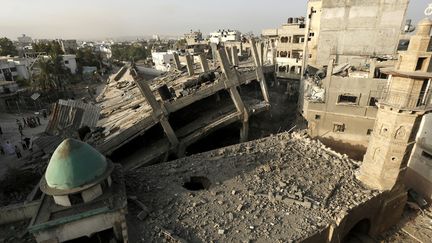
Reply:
x=38, y=120
x=23, y=145
x=44, y=113
x=25, y=122
x=20, y=127
x=34, y=121
x=18, y=152
x=9, y=148
x=27, y=142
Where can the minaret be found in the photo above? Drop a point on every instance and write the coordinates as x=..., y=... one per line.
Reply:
x=400, y=111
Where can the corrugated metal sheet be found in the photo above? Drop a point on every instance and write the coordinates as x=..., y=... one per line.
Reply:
x=70, y=115
x=48, y=143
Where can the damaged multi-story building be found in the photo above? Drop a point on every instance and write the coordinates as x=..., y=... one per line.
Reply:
x=288, y=43
x=286, y=187
x=354, y=41
x=342, y=98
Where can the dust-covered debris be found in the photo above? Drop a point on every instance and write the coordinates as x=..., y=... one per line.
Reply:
x=283, y=187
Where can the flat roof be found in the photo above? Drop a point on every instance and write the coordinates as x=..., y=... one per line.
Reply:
x=284, y=187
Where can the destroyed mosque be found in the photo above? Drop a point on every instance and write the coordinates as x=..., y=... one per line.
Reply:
x=316, y=131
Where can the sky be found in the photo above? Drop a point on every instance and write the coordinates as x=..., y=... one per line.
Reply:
x=101, y=19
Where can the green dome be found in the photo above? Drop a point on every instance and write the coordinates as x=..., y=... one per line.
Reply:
x=74, y=164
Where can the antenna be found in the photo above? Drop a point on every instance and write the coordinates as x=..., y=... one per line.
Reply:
x=428, y=10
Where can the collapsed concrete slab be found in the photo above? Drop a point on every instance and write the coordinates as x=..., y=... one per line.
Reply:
x=132, y=106
x=283, y=188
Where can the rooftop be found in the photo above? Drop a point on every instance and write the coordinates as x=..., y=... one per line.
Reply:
x=284, y=187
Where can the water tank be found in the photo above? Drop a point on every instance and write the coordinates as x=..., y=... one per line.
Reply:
x=290, y=20
x=164, y=92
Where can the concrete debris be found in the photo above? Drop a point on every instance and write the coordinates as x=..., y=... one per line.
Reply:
x=287, y=184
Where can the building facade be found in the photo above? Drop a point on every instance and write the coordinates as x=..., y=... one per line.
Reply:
x=221, y=36
x=347, y=51
x=70, y=63
x=352, y=29
x=163, y=60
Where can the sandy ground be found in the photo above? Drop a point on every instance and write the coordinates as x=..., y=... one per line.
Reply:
x=11, y=134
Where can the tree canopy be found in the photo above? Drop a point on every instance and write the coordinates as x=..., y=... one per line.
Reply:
x=86, y=57
x=124, y=52
x=7, y=47
x=52, y=48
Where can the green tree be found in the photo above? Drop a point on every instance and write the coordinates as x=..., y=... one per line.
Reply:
x=52, y=74
x=7, y=47
x=181, y=44
x=52, y=48
x=124, y=52
x=86, y=57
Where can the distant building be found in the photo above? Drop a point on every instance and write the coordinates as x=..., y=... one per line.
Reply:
x=8, y=70
x=163, y=60
x=25, y=40
x=289, y=43
x=70, y=63
x=156, y=37
x=195, y=43
x=193, y=38
x=222, y=36
x=104, y=49
x=8, y=84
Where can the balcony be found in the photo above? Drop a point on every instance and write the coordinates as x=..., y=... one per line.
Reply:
x=405, y=101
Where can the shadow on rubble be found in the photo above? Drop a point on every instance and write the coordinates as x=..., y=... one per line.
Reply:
x=355, y=152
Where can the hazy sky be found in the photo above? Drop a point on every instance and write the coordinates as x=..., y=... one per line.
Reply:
x=83, y=19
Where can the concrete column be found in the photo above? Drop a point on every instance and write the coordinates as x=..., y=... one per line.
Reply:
x=169, y=131
x=260, y=49
x=158, y=113
x=231, y=82
x=240, y=106
x=230, y=73
x=190, y=66
x=177, y=61
x=204, y=63
x=228, y=54
x=214, y=50
x=265, y=51
x=234, y=55
x=259, y=70
x=244, y=132
x=372, y=67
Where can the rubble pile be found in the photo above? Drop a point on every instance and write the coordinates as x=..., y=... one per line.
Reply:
x=281, y=188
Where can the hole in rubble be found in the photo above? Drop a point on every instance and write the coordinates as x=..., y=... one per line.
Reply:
x=197, y=183
x=135, y=106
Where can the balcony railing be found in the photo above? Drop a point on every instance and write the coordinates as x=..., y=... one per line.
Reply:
x=406, y=101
